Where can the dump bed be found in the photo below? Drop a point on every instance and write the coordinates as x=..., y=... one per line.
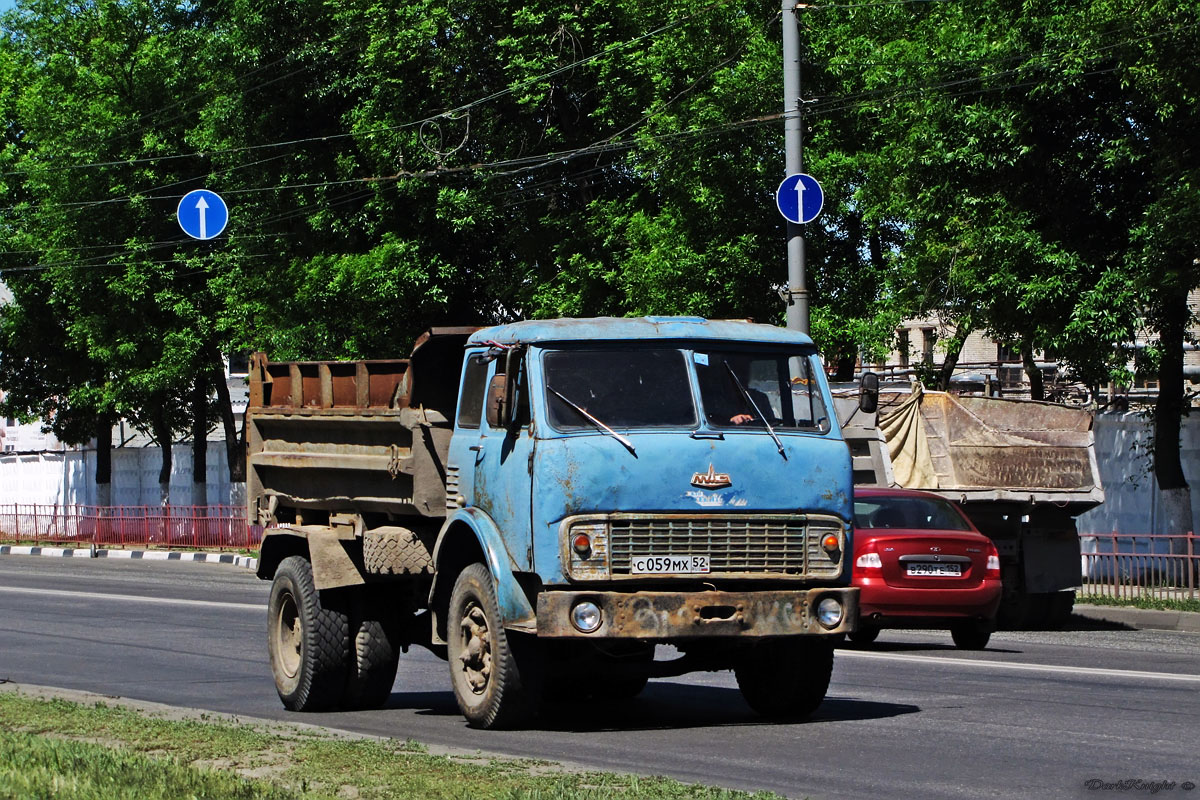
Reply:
x=975, y=448
x=369, y=436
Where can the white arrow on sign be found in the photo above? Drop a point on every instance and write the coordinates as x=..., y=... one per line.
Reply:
x=202, y=206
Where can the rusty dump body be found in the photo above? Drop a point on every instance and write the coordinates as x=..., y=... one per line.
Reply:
x=371, y=436
x=1021, y=470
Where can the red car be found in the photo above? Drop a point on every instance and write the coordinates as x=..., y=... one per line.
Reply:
x=921, y=564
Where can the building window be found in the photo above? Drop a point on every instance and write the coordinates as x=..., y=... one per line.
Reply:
x=928, y=338
x=902, y=346
x=10, y=422
x=239, y=363
x=1007, y=353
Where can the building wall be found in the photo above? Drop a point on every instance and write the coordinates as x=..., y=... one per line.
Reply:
x=1131, y=504
x=68, y=477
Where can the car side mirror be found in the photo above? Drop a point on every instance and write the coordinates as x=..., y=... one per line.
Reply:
x=498, y=411
x=868, y=393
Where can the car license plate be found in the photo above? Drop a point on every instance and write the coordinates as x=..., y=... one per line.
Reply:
x=673, y=565
x=934, y=570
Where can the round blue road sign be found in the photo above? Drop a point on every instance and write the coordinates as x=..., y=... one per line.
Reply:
x=202, y=214
x=799, y=198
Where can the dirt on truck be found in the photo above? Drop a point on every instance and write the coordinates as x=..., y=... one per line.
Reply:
x=544, y=503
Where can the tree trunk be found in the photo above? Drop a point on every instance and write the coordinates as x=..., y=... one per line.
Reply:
x=953, y=351
x=103, y=462
x=235, y=446
x=162, y=434
x=200, y=441
x=1037, y=390
x=845, y=368
x=1174, y=492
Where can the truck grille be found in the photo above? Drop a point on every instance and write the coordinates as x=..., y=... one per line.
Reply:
x=736, y=545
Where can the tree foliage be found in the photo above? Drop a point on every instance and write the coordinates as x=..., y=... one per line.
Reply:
x=1025, y=169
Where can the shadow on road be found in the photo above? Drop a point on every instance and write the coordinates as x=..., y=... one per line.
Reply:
x=908, y=647
x=663, y=705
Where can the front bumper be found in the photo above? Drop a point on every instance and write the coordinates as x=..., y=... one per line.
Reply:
x=666, y=616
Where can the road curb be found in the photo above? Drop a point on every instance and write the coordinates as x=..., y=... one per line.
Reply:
x=1142, y=618
x=248, y=562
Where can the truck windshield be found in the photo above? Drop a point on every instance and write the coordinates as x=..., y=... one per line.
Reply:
x=740, y=389
x=621, y=388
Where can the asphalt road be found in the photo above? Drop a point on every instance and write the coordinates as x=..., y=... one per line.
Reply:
x=1035, y=715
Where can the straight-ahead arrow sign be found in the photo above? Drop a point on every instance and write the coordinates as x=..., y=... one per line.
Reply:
x=202, y=214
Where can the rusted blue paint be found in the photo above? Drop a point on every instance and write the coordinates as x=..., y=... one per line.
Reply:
x=517, y=486
x=515, y=609
x=594, y=474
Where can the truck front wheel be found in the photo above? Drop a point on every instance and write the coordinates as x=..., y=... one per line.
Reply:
x=491, y=678
x=308, y=641
x=786, y=678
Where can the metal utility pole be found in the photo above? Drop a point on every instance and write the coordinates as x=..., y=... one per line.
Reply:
x=793, y=148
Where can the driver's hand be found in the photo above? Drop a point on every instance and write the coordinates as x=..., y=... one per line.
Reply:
x=741, y=419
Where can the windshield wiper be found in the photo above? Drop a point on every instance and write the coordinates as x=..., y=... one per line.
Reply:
x=746, y=394
x=623, y=440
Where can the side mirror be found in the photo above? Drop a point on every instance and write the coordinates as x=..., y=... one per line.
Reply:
x=868, y=393
x=497, y=402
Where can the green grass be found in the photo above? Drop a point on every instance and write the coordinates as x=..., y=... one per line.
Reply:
x=70, y=751
x=1151, y=603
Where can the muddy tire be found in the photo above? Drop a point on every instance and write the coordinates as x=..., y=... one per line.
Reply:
x=375, y=648
x=396, y=551
x=492, y=678
x=786, y=679
x=308, y=641
x=971, y=634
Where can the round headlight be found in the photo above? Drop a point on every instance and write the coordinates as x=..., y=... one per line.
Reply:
x=829, y=612
x=586, y=616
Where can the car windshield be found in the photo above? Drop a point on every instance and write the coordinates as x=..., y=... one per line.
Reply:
x=622, y=389
x=918, y=513
x=741, y=389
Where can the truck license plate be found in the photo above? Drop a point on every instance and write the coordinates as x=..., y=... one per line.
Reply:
x=675, y=565
x=935, y=569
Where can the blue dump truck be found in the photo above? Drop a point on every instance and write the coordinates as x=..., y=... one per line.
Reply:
x=543, y=504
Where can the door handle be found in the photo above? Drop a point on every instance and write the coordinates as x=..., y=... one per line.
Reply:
x=476, y=448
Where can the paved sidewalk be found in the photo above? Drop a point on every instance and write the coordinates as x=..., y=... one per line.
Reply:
x=1141, y=618
x=144, y=555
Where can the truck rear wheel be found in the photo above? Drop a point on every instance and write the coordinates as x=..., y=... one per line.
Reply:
x=375, y=649
x=786, y=678
x=491, y=682
x=308, y=641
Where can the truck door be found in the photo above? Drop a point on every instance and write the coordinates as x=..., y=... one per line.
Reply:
x=503, y=462
x=464, y=446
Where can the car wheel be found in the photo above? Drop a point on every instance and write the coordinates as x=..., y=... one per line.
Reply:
x=786, y=679
x=307, y=639
x=971, y=634
x=864, y=635
x=492, y=679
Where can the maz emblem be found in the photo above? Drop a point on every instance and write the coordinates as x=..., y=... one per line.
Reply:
x=711, y=479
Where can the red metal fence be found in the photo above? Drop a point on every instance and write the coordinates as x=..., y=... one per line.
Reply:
x=1163, y=566
x=167, y=527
